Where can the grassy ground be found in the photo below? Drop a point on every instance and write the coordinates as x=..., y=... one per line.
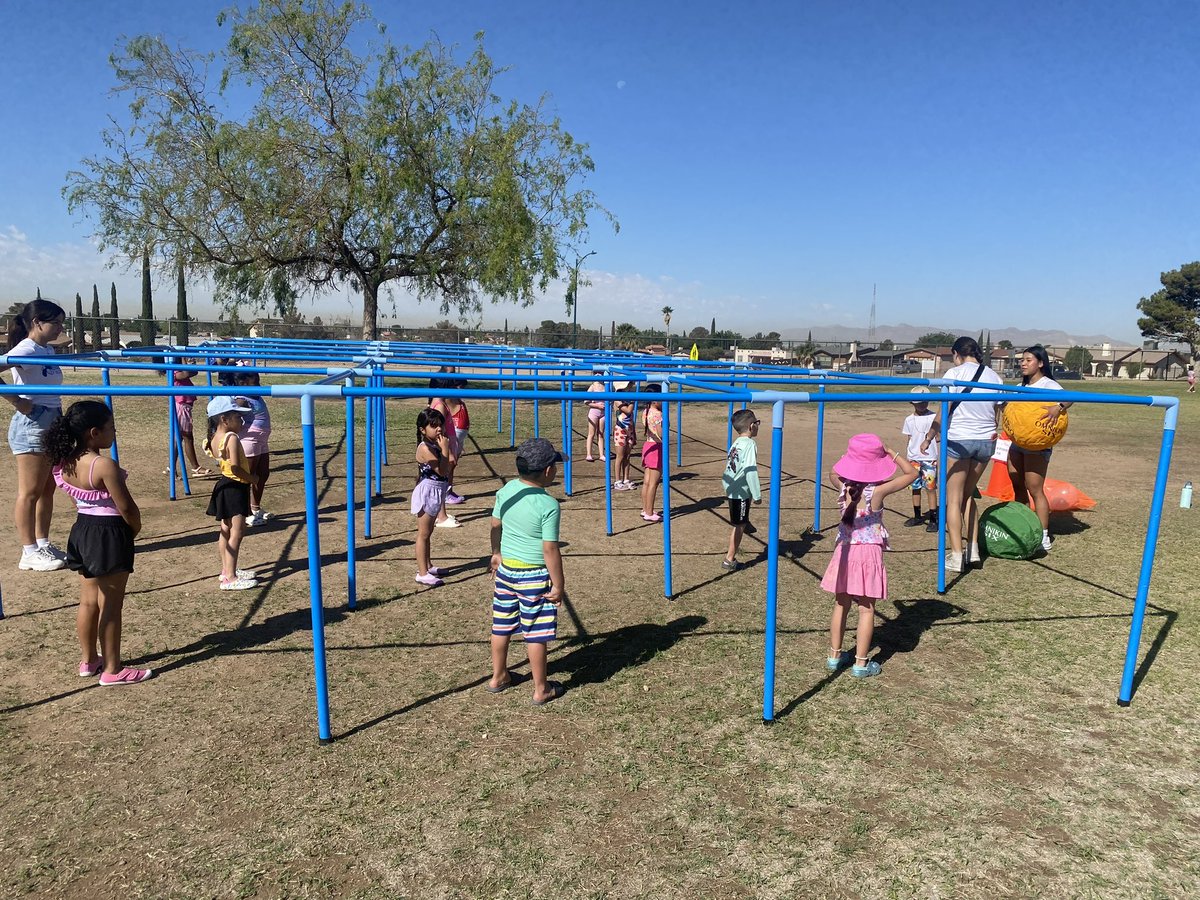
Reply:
x=988, y=760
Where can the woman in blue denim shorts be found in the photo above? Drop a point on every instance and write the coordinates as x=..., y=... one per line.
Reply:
x=970, y=443
x=29, y=335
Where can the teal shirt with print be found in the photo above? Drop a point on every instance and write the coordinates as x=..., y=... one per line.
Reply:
x=529, y=516
x=741, y=470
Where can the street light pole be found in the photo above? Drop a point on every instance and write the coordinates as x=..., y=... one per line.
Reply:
x=575, y=297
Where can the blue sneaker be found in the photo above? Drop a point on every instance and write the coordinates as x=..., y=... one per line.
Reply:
x=870, y=670
x=843, y=659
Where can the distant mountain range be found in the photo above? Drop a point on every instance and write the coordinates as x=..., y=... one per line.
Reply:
x=908, y=334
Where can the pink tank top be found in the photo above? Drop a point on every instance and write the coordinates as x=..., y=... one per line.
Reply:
x=89, y=503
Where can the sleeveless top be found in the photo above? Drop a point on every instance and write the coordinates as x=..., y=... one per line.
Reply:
x=223, y=459
x=95, y=502
x=868, y=524
x=428, y=470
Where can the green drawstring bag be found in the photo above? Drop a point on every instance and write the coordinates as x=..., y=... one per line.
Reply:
x=1010, y=531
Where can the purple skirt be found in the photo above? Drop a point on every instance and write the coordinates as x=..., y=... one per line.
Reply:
x=856, y=569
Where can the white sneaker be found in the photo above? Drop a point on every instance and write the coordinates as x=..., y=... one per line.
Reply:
x=973, y=558
x=256, y=518
x=40, y=560
x=55, y=552
x=954, y=561
x=448, y=522
x=239, y=584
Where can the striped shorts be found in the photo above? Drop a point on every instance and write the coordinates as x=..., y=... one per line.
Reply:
x=518, y=602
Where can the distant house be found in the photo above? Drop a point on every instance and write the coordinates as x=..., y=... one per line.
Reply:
x=656, y=349
x=1157, y=365
x=776, y=356
x=832, y=359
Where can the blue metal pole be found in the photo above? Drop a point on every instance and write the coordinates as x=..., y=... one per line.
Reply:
x=666, y=500
x=568, y=438
x=944, y=430
x=820, y=459
x=379, y=439
x=104, y=377
x=537, y=425
x=500, y=400
x=383, y=444
x=368, y=491
x=1170, y=420
x=172, y=438
x=351, y=514
x=512, y=417
x=679, y=429
x=307, y=425
x=768, y=713
x=608, y=461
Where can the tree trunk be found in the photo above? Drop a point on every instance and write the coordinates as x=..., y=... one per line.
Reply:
x=114, y=322
x=370, y=319
x=149, y=328
x=181, y=311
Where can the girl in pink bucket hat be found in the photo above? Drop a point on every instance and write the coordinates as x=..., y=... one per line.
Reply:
x=864, y=477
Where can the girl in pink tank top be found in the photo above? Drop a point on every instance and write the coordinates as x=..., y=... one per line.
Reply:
x=100, y=547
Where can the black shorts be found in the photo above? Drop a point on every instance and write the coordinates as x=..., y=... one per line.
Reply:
x=99, y=546
x=739, y=511
x=229, y=499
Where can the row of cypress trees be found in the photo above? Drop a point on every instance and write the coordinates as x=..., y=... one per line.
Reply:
x=81, y=324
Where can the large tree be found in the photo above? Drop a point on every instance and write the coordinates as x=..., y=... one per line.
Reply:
x=1173, y=313
x=346, y=168
x=937, y=339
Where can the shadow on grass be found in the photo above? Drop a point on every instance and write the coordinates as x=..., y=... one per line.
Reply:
x=903, y=633
x=1168, y=616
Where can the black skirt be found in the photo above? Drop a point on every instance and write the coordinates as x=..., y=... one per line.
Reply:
x=230, y=498
x=99, y=546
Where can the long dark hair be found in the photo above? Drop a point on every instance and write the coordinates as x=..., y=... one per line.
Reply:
x=1038, y=352
x=968, y=348
x=426, y=418
x=214, y=422
x=854, y=491
x=66, y=438
x=33, y=311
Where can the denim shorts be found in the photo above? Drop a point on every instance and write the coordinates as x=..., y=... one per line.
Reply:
x=25, y=432
x=980, y=451
x=1044, y=454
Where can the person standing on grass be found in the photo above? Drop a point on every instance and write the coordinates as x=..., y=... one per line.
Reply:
x=255, y=438
x=527, y=563
x=925, y=461
x=596, y=420
x=1191, y=378
x=183, y=415
x=457, y=427
x=429, y=496
x=30, y=334
x=230, y=500
x=1027, y=468
x=741, y=481
x=652, y=452
x=864, y=477
x=970, y=443
x=624, y=437
x=100, y=547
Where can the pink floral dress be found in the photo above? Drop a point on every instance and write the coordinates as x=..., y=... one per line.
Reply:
x=857, y=564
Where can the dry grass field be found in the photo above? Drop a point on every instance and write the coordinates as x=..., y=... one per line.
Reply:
x=989, y=759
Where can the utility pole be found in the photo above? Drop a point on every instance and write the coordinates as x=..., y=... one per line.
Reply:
x=573, y=296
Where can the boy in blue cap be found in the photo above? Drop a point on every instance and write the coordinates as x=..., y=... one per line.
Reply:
x=528, y=567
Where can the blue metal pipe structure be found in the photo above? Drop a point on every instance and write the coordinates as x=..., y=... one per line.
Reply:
x=665, y=455
x=941, y=547
x=351, y=513
x=106, y=380
x=567, y=371
x=769, y=640
x=820, y=462
x=368, y=463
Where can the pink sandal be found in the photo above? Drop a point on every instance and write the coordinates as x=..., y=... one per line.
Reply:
x=125, y=676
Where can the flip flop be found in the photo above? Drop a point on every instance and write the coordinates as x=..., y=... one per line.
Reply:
x=556, y=691
x=500, y=690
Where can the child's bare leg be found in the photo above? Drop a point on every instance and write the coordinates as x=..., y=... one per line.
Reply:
x=735, y=541
x=916, y=500
x=866, y=628
x=87, y=619
x=112, y=599
x=650, y=490
x=223, y=549
x=537, y=668
x=260, y=466
x=424, y=531
x=1016, y=474
x=500, y=675
x=837, y=623
x=931, y=499
x=591, y=436
x=189, y=450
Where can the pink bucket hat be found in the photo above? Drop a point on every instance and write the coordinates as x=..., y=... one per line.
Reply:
x=865, y=461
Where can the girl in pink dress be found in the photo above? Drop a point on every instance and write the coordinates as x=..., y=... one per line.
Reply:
x=864, y=477
x=652, y=451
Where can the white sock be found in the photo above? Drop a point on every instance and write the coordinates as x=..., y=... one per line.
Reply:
x=29, y=548
x=43, y=542
x=974, y=551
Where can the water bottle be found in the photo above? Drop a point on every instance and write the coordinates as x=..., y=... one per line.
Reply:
x=1185, y=496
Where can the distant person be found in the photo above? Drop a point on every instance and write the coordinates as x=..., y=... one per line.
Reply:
x=1191, y=378
x=740, y=480
x=1027, y=468
x=864, y=477
x=624, y=437
x=527, y=563
x=596, y=422
x=256, y=438
x=100, y=548
x=230, y=500
x=970, y=443
x=925, y=462
x=652, y=453
x=429, y=496
x=30, y=333
x=184, y=404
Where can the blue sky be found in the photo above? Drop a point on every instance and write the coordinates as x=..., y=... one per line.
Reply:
x=985, y=164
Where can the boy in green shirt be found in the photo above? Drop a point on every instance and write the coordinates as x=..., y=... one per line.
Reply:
x=741, y=481
x=528, y=567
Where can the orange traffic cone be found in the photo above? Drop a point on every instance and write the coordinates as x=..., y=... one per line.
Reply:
x=999, y=484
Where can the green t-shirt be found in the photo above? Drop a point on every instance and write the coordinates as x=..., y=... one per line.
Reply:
x=529, y=516
x=741, y=470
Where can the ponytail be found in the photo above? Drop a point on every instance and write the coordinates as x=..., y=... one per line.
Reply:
x=39, y=310
x=66, y=438
x=213, y=423
x=854, y=492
